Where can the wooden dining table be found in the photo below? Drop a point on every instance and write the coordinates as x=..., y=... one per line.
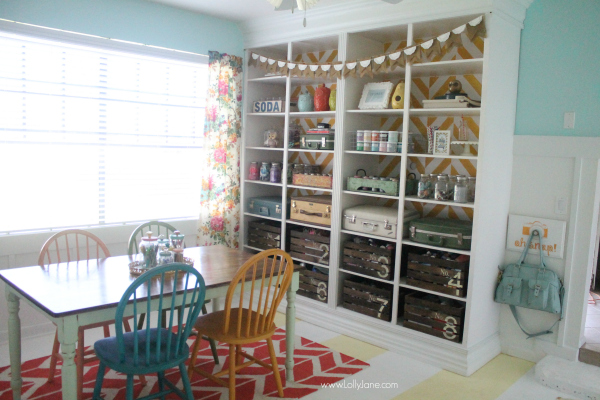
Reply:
x=87, y=292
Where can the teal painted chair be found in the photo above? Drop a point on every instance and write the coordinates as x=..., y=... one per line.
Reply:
x=153, y=350
x=161, y=228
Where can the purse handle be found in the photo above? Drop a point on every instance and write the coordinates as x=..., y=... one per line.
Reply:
x=538, y=233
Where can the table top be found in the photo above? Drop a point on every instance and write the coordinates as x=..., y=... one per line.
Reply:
x=71, y=288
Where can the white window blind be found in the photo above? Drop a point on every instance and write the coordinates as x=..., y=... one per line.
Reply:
x=93, y=136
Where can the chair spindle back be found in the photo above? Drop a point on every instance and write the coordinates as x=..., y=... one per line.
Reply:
x=148, y=286
x=72, y=245
x=269, y=273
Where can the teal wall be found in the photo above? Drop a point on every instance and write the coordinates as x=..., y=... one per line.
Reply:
x=132, y=20
x=560, y=68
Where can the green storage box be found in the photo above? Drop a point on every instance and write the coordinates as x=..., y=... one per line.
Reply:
x=450, y=233
x=316, y=142
x=377, y=186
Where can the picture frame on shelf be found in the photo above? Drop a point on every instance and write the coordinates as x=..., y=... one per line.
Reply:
x=441, y=142
x=376, y=96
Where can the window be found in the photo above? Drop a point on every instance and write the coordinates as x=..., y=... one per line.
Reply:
x=95, y=135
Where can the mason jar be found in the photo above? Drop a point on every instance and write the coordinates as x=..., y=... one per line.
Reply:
x=471, y=189
x=149, y=250
x=275, y=173
x=265, y=172
x=441, y=188
x=424, y=187
x=460, y=190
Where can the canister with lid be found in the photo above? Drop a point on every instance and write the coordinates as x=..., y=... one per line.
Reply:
x=265, y=172
x=460, y=190
x=441, y=188
x=471, y=189
x=149, y=249
x=275, y=173
x=253, y=172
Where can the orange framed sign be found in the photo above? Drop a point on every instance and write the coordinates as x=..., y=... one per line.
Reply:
x=553, y=235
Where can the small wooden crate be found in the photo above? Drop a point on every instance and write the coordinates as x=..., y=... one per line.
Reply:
x=369, y=260
x=368, y=299
x=438, y=275
x=429, y=314
x=264, y=235
x=310, y=245
x=314, y=284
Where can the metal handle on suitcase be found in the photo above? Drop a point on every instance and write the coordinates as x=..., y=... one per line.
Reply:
x=264, y=211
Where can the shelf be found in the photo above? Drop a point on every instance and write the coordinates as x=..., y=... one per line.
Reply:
x=375, y=153
x=311, y=263
x=313, y=114
x=367, y=276
x=280, y=114
x=309, y=151
x=263, y=183
x=355, y=233
x=278, y=80
x=446, y=112
x=309, y=188
x=426, y=246
x=452, y=67
x=403, y=284
x=378, y=195
x=387, y=111
x=300, y=223
x=264, y=148
x=445, y=203
x=459, y=157
x=262, y=216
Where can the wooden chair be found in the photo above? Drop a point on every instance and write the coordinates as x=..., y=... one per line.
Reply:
x=66, y=246
x=244, y=325
x=153, y=350
x=156, y=227
x=160, y=228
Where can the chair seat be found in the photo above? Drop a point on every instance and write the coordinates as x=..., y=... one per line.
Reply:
x=107, y=351
x=212, y=325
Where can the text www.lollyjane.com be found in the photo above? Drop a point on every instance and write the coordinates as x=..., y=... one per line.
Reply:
x=360, y=385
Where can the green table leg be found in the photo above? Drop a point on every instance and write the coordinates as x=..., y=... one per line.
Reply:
x=67, y=336
x=14, y=344
x=290, y=326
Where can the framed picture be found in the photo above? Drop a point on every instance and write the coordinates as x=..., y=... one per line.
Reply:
x=376, y=96
x=441, y=142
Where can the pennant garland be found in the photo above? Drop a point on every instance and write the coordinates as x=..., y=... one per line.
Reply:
x=413, y=54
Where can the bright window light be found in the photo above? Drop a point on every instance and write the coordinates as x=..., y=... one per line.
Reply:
x=94, y=136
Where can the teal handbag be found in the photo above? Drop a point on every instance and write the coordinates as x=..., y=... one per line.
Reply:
x=530, y=286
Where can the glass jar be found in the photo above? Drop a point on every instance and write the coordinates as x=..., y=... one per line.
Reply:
x=149, y=250
x=471, y=189
x=441, y=188
x=424, y=187
x=165, y=256
x=253, y=172
x=460, y=190
x=163, y=242
x=452, y=179
x=275, y=173
x=433, y=178
x=265, y=172
x=177, y=240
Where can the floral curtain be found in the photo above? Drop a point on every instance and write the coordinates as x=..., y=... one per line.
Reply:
x=219, y=220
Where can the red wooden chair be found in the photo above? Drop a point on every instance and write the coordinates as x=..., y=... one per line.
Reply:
x=66, y=246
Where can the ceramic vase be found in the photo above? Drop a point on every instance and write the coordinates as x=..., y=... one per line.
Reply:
x=305, y=102
x=322, y=98
x=332, y=98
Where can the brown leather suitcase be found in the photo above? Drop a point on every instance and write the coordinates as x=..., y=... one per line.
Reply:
x=312, y=209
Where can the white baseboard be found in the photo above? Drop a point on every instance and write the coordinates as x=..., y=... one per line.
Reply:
x=426, y=349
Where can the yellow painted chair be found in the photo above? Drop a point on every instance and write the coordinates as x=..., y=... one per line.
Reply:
x=248, y=324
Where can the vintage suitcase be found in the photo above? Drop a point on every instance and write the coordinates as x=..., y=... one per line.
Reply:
x=375, y=185
x=269, y=206
x=451, y=233
x=312, y=209
x=376, y=220
x=316, y=142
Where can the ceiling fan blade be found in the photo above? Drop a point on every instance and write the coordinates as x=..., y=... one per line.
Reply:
x=392, y=1
x=281, y=5
x=302, y=4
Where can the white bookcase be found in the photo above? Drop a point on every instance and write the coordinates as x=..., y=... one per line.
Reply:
x=488, y=70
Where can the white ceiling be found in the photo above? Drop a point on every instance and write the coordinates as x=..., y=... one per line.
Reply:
x=235, y=10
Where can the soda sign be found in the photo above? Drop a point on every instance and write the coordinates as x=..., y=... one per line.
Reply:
x=268, y=106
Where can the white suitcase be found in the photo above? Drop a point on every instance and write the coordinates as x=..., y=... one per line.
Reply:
x=377, y=220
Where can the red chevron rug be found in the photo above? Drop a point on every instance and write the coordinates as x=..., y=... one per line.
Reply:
x=315, y=364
